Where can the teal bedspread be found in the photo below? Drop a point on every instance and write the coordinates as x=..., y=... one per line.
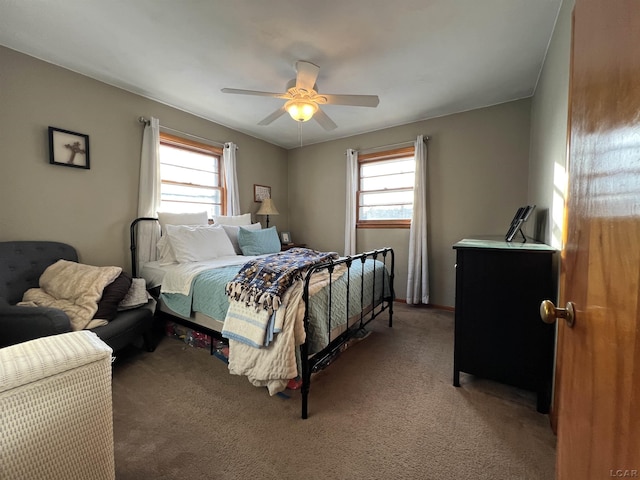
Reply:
x=361, y=281
x=207, y=296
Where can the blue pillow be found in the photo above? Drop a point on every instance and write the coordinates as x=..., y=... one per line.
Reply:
x=258, y=242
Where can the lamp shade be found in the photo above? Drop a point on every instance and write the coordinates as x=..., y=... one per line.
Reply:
x=301, y=110
x=267, y=208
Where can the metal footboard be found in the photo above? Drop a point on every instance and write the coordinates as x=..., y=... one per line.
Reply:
x=318, y=361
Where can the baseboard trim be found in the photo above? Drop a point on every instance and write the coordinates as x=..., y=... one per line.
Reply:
x=427, y=305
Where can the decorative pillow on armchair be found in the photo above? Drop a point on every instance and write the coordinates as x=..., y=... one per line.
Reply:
x=112, y=295
x=137, y=295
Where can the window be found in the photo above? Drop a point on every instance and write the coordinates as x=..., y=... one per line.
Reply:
x=191, y=176
x=385, y=194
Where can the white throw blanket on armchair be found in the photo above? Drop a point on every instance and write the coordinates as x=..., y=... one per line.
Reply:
x=74, y=288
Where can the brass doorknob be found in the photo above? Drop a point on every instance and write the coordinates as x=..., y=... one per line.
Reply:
x=549, y=313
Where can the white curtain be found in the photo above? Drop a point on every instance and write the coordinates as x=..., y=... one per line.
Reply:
x=231, y=179
x=418, y=278
x=149, y=191
x=350, y=207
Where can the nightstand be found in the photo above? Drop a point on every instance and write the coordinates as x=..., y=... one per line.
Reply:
x=287, y=246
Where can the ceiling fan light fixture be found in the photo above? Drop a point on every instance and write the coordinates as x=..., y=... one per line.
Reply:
x=303, y=101
x=301, y=110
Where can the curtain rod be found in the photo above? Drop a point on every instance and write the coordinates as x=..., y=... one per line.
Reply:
x=408, y=142
x=213, y=142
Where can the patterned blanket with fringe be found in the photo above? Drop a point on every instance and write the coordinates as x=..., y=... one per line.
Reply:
x=261, y=283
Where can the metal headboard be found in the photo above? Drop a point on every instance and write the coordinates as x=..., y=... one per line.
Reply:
x=134, y=244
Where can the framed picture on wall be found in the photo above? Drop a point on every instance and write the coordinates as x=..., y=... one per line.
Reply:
x=67, y=148
x=260, y=192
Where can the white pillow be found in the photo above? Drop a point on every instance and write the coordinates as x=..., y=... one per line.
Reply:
x=196, y=244
x=165, y=252
x=191, y=218
x=232, y=233
x=244, y=219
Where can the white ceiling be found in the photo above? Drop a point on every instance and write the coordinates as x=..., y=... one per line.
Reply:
x=423, y=58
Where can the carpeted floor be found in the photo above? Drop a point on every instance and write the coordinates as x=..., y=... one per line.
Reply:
x=386, y=409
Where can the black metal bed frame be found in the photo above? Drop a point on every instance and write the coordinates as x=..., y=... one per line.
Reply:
x=155, y=292
x=133, y=245
x=318, y=361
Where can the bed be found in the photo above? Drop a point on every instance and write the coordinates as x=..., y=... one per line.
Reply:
x=327, y=303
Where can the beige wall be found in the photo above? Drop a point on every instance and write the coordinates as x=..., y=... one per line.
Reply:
x=477, y=178
x=481, y=166
x=548, y=159
x=92, y=209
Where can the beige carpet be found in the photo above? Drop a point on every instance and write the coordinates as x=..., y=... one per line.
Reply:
x=386, y=409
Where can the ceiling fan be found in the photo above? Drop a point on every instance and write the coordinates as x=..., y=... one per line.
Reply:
x=303, y=99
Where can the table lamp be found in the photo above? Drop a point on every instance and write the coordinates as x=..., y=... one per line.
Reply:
x=267, y=208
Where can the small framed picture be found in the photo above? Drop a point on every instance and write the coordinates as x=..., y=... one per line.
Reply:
x=68, y=148
x=260, y=192
x=286, y=238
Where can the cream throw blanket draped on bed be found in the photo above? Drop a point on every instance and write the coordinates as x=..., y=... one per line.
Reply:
x=275, y=365
x=179, y=277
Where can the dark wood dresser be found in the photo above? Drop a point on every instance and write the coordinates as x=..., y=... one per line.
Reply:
x=498, y=331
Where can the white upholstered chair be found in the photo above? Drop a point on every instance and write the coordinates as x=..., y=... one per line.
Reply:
x=56, y=419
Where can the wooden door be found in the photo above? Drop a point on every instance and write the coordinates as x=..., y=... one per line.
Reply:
x=598, y=363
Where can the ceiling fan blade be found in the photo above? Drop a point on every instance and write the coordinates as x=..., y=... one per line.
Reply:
x=254, y=92
x=307, y=74
x=353, y=100
x=324, y=120
x=275, y=115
